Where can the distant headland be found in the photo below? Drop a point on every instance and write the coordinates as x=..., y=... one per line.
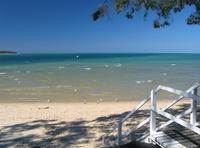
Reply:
x=8, y=52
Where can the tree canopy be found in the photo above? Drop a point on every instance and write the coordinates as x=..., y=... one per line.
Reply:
x=162, y=8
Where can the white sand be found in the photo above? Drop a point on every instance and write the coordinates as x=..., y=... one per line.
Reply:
x=61, y=124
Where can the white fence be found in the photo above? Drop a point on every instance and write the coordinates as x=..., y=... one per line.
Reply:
x=191, y=93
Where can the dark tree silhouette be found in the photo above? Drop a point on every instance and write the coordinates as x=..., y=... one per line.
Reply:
x=162, y=8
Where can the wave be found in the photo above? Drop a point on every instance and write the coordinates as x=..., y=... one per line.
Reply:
x=143, y=81
x=118, y=65
x=106, y=65
x=2, y=73
x=87, y=68
x=63, y=86
x=164, y=74
x=42, y=87
x=140, y=82
x=149, y=81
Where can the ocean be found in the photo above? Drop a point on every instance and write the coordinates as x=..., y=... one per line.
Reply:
x=93, y=77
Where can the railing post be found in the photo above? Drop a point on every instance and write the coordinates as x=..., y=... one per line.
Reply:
x=153, y=113
x=103, y=140
x=119, y=136
x=193, y=115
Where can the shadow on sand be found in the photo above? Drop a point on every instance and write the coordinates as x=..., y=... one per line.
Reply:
x=53, y=133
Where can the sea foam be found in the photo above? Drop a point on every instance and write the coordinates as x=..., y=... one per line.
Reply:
x=118, y=65
x=173, y=64
x=61, y=67
x=138, y=82
x=63, y=86
x=42, y=87
x=164, y=74
x=106, y=65
x=87, y=68
x=149, y=81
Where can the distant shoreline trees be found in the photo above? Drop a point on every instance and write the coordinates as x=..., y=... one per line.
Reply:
x=7, y=52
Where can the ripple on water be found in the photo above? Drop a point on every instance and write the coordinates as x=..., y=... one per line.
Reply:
x=63, y=86
x=164, y=74
x=139, y=82
x=87, y=68
x=106, y=65
x=118, y=65
x=173, y=64
x=42, y=87
x=143, y=81
x=149, y=81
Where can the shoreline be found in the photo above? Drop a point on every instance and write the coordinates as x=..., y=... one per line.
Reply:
x=133, y=102
x=84, y=101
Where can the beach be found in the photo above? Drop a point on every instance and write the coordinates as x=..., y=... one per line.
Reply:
x=65, y=124
x=75, y=74
x=72, y=100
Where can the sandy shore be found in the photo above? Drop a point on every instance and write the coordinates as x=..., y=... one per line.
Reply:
x=63, y=124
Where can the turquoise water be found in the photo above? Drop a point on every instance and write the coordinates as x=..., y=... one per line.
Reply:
x=93, y=77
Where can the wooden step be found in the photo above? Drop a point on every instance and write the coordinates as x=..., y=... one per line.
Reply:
x=165, y=141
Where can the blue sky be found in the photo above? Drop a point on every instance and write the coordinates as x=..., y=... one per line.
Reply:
x=64, y=26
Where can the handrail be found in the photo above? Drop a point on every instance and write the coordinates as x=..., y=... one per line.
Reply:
x=165, y=108
x=171, y=121
x=192, y=125
x=179, y=92
x=156, y=90
x=127, y=116
x=193, y=95
x=179, y=121
x=165, y=124
x=137, y=108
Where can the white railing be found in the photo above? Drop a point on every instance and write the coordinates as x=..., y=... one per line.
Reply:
x=190, y=93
